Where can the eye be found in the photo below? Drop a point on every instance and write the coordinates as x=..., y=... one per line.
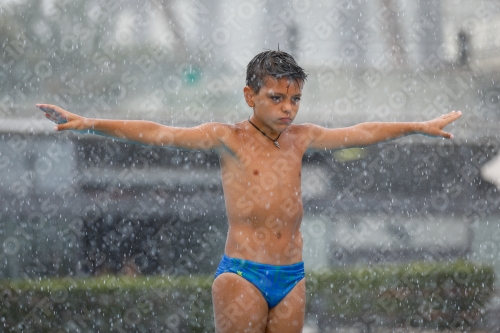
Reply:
x=296, y=99
x=276, y=98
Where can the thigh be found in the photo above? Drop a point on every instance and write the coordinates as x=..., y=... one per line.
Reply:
x=288, y=315
x=238, y=305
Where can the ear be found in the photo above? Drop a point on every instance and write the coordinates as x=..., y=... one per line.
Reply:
x=249, y=94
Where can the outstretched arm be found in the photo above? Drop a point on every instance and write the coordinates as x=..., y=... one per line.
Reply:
x=366, y=134
x=206, y=136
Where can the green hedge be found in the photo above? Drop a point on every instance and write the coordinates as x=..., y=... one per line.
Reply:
x=433, y=295
x=430, y=294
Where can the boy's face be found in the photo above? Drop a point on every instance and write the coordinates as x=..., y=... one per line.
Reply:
x=276, y=104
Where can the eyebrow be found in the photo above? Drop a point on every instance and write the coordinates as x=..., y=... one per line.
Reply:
x=281, y=94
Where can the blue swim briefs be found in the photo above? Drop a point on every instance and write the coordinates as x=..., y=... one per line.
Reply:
x=274, y=282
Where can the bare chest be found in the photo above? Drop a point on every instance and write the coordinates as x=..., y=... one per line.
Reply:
x=257, y=161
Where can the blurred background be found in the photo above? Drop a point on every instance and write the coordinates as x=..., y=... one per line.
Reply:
x=78, y=205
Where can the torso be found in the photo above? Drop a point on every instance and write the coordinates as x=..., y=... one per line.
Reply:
x=263, y=194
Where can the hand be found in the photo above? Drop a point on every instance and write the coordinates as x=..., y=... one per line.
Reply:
x=65, y=120
x=435, y=127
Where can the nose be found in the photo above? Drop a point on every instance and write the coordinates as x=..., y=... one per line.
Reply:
x=287, y=107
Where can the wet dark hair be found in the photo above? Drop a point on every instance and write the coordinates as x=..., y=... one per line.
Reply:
x=276, y=64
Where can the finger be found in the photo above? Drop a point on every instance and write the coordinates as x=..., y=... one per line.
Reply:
x=455, y=114
x=451, y=117
x=50, y=106
x=56, y=114
x=452, y=114
x=62, y=127
x=52, y=109
x=47, y=107
x=57, y=120
x=49, y=117
x=447, y=135
x=49, y=110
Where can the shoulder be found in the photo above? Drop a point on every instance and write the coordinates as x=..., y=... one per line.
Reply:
x=302, y=134
x=313, y=136
x=305, y=126
x=219, y=130
x=227, y=134
x=306, y=130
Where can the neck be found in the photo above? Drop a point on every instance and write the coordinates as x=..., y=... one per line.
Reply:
x=266, y=129
x=275, y=141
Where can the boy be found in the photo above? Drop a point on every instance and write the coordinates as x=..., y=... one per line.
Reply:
x=259, y=285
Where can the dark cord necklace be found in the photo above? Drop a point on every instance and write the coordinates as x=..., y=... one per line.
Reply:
x=274, y=141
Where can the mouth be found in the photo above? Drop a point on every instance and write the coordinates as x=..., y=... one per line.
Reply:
x=286, y=120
